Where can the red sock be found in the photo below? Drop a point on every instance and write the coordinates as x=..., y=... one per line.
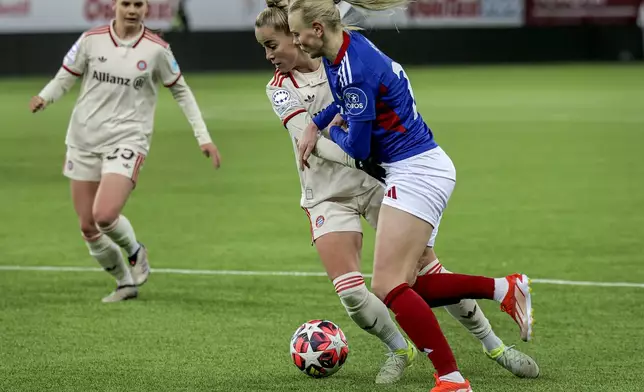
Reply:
x=447, y=289
x=418, y=321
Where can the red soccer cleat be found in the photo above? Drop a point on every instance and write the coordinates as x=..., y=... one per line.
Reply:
x=448, y=386
x=518, y=304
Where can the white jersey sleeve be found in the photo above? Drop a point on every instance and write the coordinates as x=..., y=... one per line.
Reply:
x=75, y=61
x=74, y=65
x=170, y=74
x=182, y=93
x=286, y=104
x=168, y=69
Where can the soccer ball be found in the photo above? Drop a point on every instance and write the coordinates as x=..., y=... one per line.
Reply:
x=319, y=348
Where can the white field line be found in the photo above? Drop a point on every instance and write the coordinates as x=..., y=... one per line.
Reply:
x=284, y=273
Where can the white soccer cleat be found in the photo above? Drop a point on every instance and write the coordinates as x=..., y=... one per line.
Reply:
x=122, y=293
x=514, y=361
x=397, y=361
x=140, y=267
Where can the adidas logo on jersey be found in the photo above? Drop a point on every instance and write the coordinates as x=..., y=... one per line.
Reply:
x=102, y=59
x=309, y=98
x=107, y=78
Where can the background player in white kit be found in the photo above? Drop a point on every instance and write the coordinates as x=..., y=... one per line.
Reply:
x=335, y=197
x=110, y=131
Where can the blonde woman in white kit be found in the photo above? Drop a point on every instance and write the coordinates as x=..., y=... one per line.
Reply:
x=110, y=132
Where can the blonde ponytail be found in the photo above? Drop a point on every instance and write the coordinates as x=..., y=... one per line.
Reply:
x=377, y=5
x=326, y=12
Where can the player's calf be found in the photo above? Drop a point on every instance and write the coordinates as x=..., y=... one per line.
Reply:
x=120, y=230
x=471, y=316
x=467, y=312
x=513, y=292
x=109, y=256
x=370, y=314
x=367, y=311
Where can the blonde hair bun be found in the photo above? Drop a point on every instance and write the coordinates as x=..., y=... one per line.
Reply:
x=277, y=3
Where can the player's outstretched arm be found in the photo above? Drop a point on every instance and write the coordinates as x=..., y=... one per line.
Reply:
x=170, y=73
x=53, y=91
x=74, y=65
x=182, y=93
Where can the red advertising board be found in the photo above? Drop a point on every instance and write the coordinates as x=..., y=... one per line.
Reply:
x=15, y=8
x=574, y=12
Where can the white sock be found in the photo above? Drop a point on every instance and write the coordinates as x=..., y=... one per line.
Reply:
x=367, y=311
x=435, y=267
x=453, y=377
x=109, y=256
x=501, y=287
x=491, y=342
x=468, y=313
x=122, y=233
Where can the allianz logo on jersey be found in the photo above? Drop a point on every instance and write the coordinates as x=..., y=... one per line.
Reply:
x=106, y=77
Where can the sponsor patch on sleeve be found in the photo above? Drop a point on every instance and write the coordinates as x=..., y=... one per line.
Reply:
x=283, y=102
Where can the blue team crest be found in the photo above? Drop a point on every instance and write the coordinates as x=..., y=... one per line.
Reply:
x=355, y=101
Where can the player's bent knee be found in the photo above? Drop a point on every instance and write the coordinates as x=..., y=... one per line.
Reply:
x=90, y=231
x=427, y=258
x=105, y=218
x=381, y=287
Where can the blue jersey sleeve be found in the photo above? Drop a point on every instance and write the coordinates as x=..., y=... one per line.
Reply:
x=324, y=118
x=359, y=102
x=356, y=142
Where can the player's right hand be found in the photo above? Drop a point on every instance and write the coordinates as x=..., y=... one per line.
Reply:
x=37, y=104
x=306, y=144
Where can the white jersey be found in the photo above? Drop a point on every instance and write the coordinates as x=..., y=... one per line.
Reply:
x=296, y=98
x=119, y=90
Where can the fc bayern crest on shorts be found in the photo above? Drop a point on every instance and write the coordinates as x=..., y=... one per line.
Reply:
x=319, y=221
x=142, y=65
x=70, y=165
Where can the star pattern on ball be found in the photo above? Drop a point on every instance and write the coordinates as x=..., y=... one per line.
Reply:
x=310, y=357
x=336, y=342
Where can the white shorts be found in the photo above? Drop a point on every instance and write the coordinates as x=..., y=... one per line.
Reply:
x=84, y=165
x=421, y=185
x=343, y=214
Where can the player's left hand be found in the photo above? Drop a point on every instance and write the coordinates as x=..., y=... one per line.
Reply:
x=211, y=151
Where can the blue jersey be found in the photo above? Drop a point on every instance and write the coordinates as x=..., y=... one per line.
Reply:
x=374, y=95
